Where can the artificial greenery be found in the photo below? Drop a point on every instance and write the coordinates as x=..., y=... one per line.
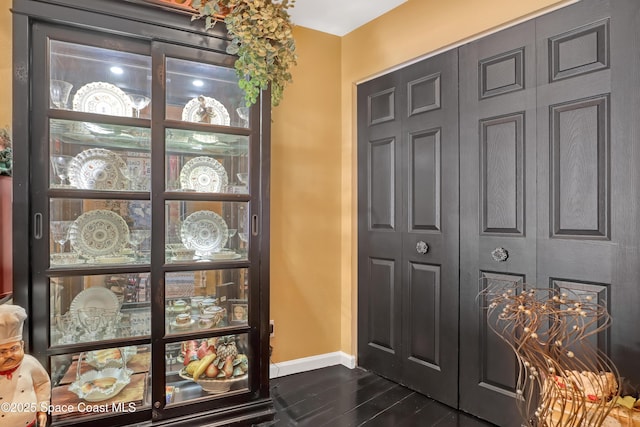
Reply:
x=262, y=36
x=6, y=155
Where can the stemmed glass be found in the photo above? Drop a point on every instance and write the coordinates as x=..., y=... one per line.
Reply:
x=60, y=233
x=92, y=320
x=243, y=113
x=139, y=102
x=59, y=91
x=60, y=164
x=243, y=225
x=136, y=237
x=66, y=324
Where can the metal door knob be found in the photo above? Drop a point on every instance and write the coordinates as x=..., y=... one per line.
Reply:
x=422, y=247
x=499, y=254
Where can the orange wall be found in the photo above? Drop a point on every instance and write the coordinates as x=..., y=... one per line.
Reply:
x=305, y=203
x=5, y=63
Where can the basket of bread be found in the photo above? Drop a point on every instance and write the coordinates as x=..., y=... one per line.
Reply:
x=214, y=364
x=97, y=385
x=110, y=357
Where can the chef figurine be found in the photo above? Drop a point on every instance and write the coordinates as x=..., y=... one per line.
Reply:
x=25, y=387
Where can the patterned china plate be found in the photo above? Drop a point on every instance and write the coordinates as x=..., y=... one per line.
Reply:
x=96, y=297
x=99, y=232
x=205, y=232
x=203, y=174
x=98, y=169
x=214, y=112
x=102, y=98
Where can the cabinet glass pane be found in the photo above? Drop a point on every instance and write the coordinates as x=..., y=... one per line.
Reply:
x=207, y=162
x=94, y=156
x=96, y=383
x=207, y=367
x=99, y=307
x=101, y=81
x=206, y=231
x=204, y=93
x=99, y=232
x=206, y=299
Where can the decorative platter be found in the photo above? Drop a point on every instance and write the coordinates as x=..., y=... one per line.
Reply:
x=96, y=297
x=99, y=232
x=98, y=169
x=102, y=98
x=204, y=109
x=204, y=231
x=203, y=174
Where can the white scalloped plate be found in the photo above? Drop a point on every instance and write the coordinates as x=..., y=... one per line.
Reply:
x=102, y=98
x=218, y=114
x=203, y=174
x=99, y=232
x=98, y=169
x=205, y=232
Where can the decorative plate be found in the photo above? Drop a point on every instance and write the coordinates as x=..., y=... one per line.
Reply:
x=204, y=109
x=88, y=385
x=203, y=174
x=98, y=232
x=102, y=98
x=98, y=169
x=96, y=297
x=205, y=232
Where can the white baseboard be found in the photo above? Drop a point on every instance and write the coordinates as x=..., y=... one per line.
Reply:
x=310, y=363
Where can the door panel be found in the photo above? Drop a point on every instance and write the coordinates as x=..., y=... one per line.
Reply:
x=497, y=193
x=379, y=227
x=430, y=298
x=587, y=198
x=408, y=193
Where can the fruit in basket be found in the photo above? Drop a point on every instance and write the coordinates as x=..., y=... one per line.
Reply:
x=205, y=349
x=226, y=347
x=212, y=371
x=192, y=366
x=204, y=363
x=228, y=367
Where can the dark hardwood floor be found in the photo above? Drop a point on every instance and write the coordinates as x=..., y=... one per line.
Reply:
x=338, y=396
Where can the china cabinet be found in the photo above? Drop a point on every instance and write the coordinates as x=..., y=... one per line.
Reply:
x=141, y=184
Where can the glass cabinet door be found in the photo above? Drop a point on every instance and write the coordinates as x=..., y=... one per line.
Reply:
x=148, y=223
x=99, y=228
x=206, y=232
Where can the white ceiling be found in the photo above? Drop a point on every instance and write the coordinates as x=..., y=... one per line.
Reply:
x=339, y=17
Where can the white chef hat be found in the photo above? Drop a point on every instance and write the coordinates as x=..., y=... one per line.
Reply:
x=12, y=319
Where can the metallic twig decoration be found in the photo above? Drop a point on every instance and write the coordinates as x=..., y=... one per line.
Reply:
x=564, y=380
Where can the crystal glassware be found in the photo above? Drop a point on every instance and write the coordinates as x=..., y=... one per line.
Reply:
x=243, y=113
x=67, y=325
x=136, y=237
x=139, y=102
x=59, y=92
x=60, y=233
x=60, y=164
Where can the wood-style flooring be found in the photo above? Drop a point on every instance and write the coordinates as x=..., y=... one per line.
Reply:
x=341, y=397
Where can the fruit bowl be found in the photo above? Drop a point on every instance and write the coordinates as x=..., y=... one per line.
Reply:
x=212, y=385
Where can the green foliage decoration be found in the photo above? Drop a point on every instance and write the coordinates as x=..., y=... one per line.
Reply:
x=6, y=155
x=261, y=35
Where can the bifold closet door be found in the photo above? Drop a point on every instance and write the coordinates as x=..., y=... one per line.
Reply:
x=549, y=174
x=497, y=193
x=408, y=226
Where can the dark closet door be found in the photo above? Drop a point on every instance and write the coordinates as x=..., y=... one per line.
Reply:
x=578, y=229
x=408, y=226
x=497, y=196
x=588, y=157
